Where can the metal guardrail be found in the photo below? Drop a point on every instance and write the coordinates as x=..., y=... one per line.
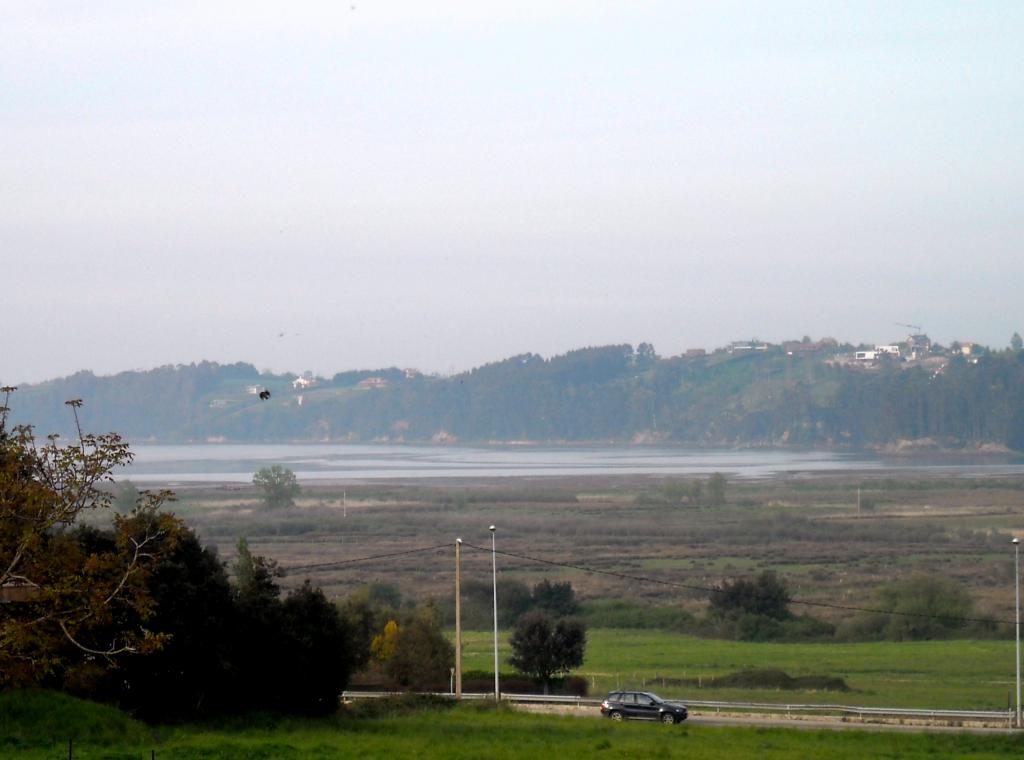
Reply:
x=553, y=699
x=951, y=716
x=862, y=711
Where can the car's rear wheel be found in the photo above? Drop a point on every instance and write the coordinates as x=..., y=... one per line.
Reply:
x=668, y=718
x=615, y=715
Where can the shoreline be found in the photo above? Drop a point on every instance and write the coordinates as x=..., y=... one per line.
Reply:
x=900, y=449
x=592, y=480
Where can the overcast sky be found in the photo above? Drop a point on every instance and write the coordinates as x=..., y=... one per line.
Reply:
x=440, y=184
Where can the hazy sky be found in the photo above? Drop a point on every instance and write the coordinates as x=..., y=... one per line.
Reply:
x=440, y=184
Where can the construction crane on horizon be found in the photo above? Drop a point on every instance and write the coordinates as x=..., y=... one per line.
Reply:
x=915, y=328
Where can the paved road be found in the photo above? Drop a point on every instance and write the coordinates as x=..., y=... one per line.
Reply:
x=807, y=723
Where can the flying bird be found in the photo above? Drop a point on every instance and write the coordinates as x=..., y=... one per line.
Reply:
x=264, y=394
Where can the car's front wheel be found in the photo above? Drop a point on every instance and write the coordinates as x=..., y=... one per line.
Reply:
x=668, y=718
x=615, y=715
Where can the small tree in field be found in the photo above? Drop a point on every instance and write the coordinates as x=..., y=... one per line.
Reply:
x=279, y=486
x=544, y=648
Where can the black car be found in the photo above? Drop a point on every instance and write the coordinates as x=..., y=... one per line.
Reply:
x=641, y=705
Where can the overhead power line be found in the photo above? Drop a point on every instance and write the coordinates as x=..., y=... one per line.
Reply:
x=713, y=590
x=636, y=578
x=354, y=560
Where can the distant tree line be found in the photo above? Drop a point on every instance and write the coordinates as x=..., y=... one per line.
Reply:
x=608, y=393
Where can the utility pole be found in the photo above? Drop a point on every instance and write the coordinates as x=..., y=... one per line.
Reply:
x=458, y=618
x=494, y=581
x=1016, y=589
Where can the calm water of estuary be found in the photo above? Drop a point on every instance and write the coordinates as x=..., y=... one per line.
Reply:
x=334, y=462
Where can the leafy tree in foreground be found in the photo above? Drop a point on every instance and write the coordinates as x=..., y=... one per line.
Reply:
x=317, y=657
x=68, y=601
x=235, y=649
x=259, y=641
x=279, y=486
x=544, y=648
x=294, y=655
x=192, y=675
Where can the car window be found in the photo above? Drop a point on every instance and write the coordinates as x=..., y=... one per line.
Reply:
x=629, y=699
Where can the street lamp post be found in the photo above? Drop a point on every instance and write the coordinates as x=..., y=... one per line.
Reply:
x=1016, y=588
x=494, y=582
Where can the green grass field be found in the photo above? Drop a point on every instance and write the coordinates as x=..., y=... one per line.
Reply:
x=927, y=674
x=36, y=727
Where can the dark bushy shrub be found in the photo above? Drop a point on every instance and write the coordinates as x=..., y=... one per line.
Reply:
x=763, y=596
x=925, y=607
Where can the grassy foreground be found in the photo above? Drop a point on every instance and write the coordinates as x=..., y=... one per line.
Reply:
x=953, y=675
x=35, y=726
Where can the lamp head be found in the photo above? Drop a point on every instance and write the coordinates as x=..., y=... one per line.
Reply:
x=1015, y=540
x=458, y=540
x=491, y=529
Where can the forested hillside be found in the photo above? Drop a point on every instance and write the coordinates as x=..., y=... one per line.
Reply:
x=609, y=393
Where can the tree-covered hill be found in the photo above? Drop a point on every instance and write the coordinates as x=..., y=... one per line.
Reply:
x=608, y=393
